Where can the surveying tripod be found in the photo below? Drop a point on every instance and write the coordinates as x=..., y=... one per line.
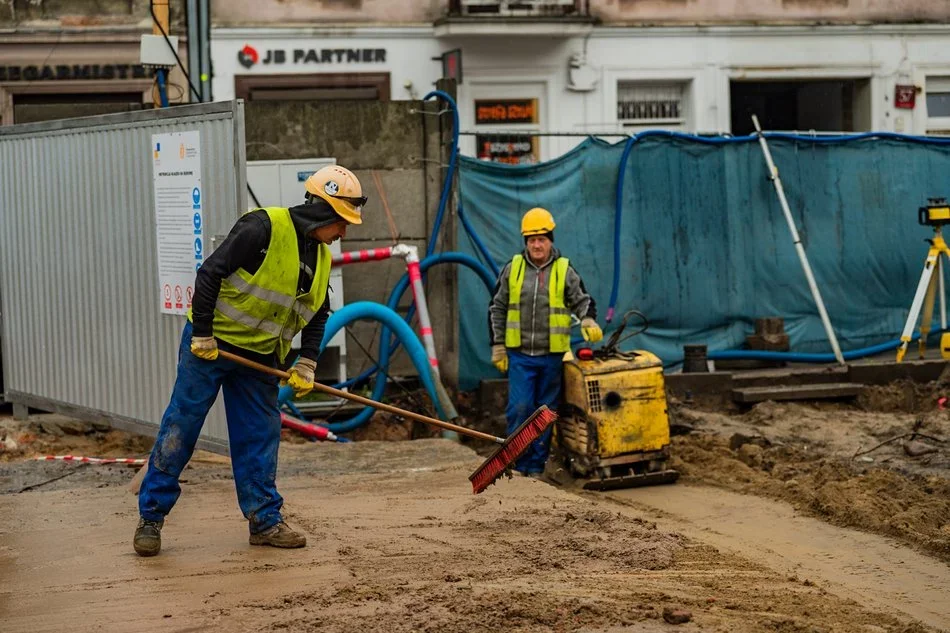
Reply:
x=935, y=214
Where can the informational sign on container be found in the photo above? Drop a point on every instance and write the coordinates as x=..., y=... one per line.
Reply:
x=176, y=169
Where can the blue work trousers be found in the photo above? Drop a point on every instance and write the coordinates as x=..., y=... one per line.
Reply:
x=532, y=381
x=250, y=401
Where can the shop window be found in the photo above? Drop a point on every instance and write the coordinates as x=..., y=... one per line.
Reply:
x=316, y=87
x=641, y=104
x=517, y=142
x=938, y=105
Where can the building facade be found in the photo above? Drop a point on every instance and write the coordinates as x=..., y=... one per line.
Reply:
x=60, y=60
x=526, y=67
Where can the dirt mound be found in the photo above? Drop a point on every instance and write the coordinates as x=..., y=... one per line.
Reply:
x=911, y=508
x=903, y=396
x=51, y=434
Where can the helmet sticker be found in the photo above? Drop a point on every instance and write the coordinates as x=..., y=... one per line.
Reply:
x=331, y=188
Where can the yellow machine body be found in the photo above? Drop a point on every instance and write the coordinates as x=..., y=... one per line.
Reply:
x=615, y=425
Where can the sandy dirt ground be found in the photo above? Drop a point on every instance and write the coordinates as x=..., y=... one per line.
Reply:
x=397, y=542
x=840, y=463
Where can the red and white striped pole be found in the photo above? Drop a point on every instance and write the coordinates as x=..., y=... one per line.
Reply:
x=366, y=255
x=91, y=460
x=411, y=254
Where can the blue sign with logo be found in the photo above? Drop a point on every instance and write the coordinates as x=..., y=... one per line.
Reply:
x=303, y=175
x=196, y=197
x=196, y=220
x=197, y=248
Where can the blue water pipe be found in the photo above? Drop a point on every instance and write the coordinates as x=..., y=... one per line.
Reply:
x=712, y=140
x=800, y=357
x=162, y=88
x=450, y=172
x=447, y=188
x=376, y=312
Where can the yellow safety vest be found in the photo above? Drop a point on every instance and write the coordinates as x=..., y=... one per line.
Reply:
x=262, y=312
x=559, y=320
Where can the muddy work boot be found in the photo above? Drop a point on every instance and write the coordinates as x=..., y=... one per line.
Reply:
x=148, y=538
x=281, y=535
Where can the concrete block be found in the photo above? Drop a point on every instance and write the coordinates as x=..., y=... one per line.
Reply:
x=405, y=191
x=793, y=376
x=880, y=373
x=698, y=384
x=21, y=412
x=360, y=135
x=796, y=392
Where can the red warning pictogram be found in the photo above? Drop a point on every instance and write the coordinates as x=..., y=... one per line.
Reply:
x=178, y=303
x=189, y=294
x=167, y=292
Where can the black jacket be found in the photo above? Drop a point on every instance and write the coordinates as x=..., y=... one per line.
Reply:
x=245, y=247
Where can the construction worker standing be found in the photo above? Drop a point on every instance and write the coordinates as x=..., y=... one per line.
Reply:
x=267, y=281
x=530, y=320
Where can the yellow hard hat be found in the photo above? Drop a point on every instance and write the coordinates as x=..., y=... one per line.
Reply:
x=537, y=221
x=341, y=188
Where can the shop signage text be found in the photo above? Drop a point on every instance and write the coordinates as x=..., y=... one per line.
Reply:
x=248, y=56
x=512, y=149
x=73, y=71
x=506, y=111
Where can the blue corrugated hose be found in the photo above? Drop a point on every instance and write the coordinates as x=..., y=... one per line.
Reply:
x=799, y=357
x=400, y=289
x=376, y=312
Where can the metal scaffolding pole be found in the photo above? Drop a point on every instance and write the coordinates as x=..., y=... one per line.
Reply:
x=796, y=239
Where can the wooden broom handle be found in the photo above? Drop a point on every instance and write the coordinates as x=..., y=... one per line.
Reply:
x=273, y=371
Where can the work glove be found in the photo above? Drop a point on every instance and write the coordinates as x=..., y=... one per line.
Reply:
x=591, y=331
x=204, y=347
x=301, y=377
x=499, y=358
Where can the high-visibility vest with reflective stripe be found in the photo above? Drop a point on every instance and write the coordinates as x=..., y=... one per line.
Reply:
x=262, y=312
x=559, y=319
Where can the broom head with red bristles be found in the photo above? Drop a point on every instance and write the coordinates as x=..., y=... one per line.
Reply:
x=501, y=461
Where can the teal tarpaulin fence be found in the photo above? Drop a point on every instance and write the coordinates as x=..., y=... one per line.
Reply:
x=705, y=249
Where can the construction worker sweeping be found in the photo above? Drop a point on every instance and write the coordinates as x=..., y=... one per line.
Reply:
x=265, y=283
x=530, y=320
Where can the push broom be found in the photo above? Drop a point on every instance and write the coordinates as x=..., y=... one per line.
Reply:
x=497, y=464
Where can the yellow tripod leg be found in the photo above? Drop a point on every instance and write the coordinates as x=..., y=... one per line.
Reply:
x=928, y=313
x=923, y=288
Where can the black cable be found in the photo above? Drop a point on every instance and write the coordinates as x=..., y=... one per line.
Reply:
x=151, y=8
x=412, y=397
x=257, y=202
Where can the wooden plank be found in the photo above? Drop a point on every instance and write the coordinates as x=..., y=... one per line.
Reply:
x=797, y=392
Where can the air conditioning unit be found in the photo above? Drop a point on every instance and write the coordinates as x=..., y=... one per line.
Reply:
x=518, y=8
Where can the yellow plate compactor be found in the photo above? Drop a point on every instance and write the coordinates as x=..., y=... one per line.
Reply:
x=614, y=427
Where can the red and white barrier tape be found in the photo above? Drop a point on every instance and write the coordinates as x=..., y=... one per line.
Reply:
x=91, y=460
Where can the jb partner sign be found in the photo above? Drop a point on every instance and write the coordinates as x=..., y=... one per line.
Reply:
x=250, y=57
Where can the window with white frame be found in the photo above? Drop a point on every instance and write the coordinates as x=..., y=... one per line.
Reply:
x=656, y=104
x=938, y=105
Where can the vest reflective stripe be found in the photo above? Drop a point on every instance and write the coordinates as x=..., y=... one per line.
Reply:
x=252, y=322
x=559, y=320
x=271, y=296
x=513, y=320
x=262, y=312
x=261, y=293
